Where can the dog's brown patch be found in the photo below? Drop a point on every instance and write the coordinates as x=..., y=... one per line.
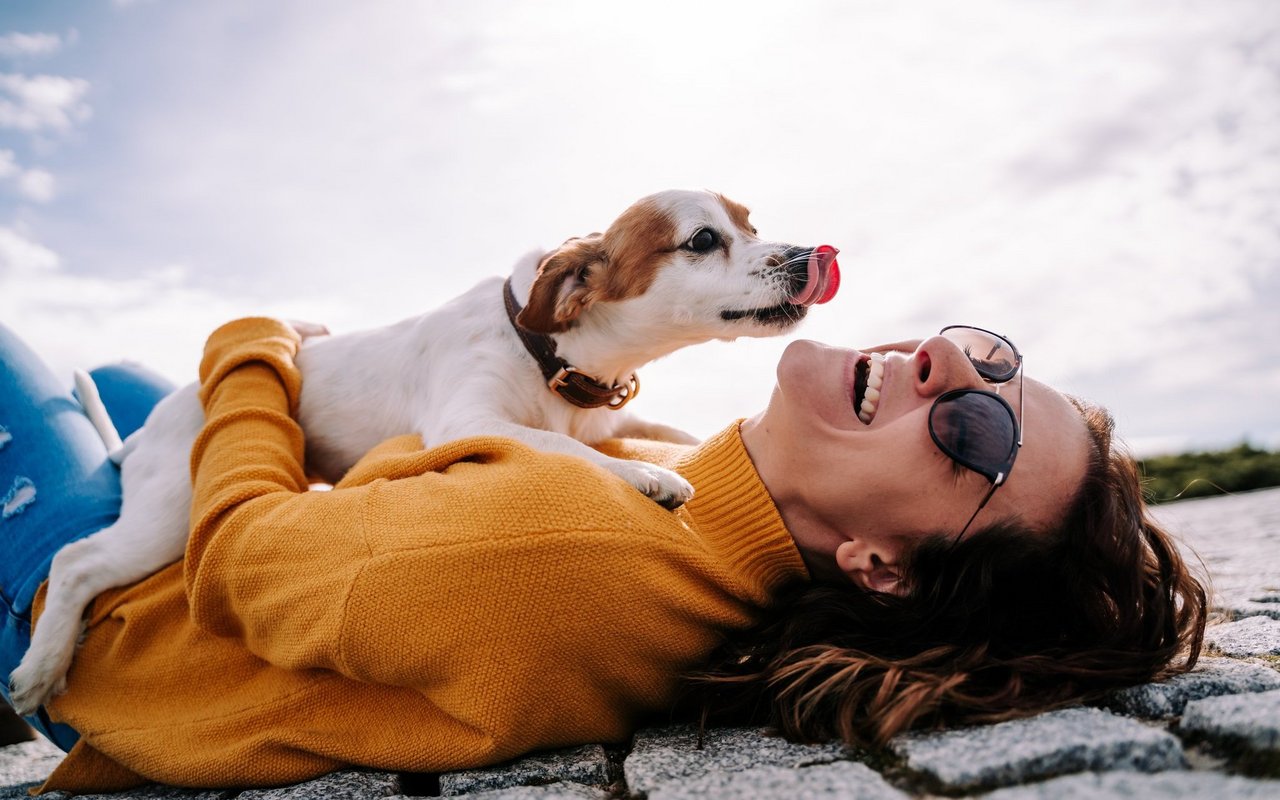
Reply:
x=635, y=246
x=620, y=263
x=738, y=213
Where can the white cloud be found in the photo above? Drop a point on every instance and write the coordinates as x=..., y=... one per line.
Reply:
x=22, y=259
x=37, y=185
x=18, y=45
x=42, y=102
x=77, y=320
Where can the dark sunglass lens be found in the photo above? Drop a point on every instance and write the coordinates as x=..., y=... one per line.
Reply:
x=992, y=356
x=975, y=429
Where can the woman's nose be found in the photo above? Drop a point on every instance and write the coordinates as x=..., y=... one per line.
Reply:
x=942, y=366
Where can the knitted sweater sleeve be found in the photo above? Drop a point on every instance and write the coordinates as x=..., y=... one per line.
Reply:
x=245, y=565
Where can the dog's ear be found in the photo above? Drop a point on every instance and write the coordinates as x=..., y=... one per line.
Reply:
x=562, y=288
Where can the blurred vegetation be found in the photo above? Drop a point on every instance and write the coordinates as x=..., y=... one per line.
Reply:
x=1204, y=474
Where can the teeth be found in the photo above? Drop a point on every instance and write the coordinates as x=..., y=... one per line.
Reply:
x=875, y=380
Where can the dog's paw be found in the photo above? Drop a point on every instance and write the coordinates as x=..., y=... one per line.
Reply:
x=660, y=485
x=31, y=686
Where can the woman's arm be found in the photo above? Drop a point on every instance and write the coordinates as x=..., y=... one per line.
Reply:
x=252, y=556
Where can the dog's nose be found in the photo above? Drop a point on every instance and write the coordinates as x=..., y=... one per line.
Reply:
x=813, y=275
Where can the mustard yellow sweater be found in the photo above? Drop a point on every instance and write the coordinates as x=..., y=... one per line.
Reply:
x=438, y=609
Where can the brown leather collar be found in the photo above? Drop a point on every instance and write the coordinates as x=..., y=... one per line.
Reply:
x=574, y=386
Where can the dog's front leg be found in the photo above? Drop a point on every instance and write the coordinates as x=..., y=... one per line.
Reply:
x=661, y=485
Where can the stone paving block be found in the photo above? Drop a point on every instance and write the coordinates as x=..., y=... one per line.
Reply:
x=1178, y=785
x=347, y=784
x=1241, y=607
x=152, y=791
x=1070, y=740
x=1257, y=597
x=586, y=765
x=1251, y=636
x=1211, y=677
x=1237, y=539
x=1253, y=719
x=846, y=780
x=660, y=756
x=552, y=791
x=28, y=762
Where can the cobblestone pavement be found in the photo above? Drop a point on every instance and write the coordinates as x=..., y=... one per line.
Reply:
x=1213, y=733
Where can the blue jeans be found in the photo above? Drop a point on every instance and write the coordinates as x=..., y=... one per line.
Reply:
x=56, y=483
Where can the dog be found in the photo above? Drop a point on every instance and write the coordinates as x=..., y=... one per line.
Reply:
x=547, y=357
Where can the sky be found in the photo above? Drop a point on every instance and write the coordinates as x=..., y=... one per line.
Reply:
x=1099, y=181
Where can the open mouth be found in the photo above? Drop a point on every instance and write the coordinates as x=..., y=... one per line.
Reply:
x=781, y=314
x=868, y=377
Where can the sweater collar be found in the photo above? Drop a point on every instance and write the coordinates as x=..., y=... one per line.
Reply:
x=732, y=509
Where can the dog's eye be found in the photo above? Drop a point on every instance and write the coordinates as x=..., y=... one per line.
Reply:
x=702, y=241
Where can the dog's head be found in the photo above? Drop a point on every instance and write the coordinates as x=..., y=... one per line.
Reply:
x=686, y=261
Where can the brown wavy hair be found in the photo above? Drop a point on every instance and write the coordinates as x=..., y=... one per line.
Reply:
x=1009, y=622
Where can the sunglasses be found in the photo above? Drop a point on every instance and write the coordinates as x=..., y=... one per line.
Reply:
x=977, y=428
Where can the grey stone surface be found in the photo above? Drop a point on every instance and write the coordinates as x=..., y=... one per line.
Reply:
x=554, y=791
x=1211, y=677
x=28, y=762
x=347, y=784
x=1070, y=740
x=1253, y=719
x=1237, y=537
x=841, y=779
x=585, y=765
x=150, y=792
x=1143, y=786
x=1251, y=636
x=1240, y=607
x=660, y=756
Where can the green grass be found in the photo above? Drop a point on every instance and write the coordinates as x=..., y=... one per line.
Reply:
x=1205, y=474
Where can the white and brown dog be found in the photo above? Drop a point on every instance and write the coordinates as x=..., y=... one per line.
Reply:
x=547, y=357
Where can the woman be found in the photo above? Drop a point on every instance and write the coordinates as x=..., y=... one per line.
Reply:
x=460, y=606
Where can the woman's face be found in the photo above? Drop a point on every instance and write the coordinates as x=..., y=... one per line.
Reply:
x=856, y=497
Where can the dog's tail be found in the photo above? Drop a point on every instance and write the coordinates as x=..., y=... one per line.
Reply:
x=97, y=413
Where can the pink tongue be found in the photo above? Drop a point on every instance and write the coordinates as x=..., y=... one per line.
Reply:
x=823, y=279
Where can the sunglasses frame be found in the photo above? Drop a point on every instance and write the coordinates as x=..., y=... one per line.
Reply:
x=996, y=474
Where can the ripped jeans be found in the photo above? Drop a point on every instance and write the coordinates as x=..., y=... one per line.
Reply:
x=56, y=483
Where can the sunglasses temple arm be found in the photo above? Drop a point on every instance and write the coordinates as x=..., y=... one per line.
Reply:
x=1022, y=409
x=981, y=505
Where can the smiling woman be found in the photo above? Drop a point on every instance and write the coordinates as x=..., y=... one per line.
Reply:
x=1065, y=590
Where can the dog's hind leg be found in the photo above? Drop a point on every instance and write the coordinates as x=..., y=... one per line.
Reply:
x=150, y=533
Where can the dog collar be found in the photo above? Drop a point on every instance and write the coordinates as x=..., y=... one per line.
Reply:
x=573, y=385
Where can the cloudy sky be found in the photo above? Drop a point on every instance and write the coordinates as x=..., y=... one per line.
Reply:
x=1098, y=180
